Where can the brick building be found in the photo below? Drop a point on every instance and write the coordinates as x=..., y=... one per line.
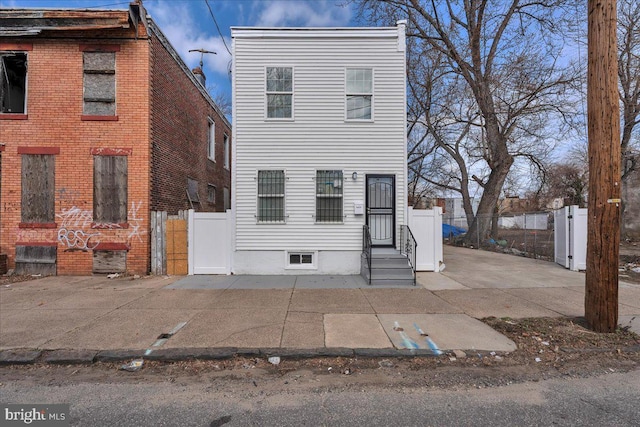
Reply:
x=101, y=122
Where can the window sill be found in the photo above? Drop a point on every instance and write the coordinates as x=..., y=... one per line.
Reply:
x=271, y=222
x=107, y=246
x=109, y=225
x=37, y=225
x=358, y=120
x=300, y=267
x=11, y=116
x=85, y=118
x=279, y=119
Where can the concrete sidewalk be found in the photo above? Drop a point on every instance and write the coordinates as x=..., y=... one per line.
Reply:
x=279, y=314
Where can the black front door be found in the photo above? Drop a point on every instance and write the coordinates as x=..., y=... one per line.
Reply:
x=381, y=212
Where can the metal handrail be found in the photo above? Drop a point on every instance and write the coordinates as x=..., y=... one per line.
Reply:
x=366, y=247
x=408, y=247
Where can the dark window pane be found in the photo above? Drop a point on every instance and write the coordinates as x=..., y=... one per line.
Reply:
x=13, y=83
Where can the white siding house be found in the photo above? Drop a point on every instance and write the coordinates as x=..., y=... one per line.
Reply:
x=319, y=125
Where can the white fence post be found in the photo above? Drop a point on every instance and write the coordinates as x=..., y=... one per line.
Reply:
x=190, y=234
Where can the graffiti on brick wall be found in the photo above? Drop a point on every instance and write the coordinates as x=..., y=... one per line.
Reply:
x=135, y=222
x=78, y=239
x=77, y=231
x=75, y=217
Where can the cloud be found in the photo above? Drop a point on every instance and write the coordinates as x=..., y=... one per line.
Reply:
x=319, y=13
x=181, y=26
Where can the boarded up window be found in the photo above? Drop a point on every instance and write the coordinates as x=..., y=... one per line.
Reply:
x=38, y=188
x=99, y=83
x=110, y=189
x=36, y=260
x=109, y=261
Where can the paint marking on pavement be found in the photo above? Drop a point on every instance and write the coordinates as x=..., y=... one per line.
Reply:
x=430, y=343
x=163, y=338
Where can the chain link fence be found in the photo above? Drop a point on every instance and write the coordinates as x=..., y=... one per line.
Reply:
x=528, y=234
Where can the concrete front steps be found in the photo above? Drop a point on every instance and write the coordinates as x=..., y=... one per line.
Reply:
x=388, y=267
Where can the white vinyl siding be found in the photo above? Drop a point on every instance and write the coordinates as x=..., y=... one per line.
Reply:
x=320, y=138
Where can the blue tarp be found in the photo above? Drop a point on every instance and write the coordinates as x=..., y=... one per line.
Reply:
x=451, y=231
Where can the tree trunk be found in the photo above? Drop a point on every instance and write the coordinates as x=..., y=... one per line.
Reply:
x=603, y=235
x=481, y=226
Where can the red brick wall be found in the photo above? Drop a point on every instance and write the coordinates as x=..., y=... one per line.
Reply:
x=54, y=110
x=179, y=130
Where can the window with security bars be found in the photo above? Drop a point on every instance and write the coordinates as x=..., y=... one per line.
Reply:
x=279, y=92
x=359, y=93
x=271, y=196
x=329, y=196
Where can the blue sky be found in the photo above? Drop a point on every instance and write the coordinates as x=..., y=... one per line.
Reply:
x=188, y=23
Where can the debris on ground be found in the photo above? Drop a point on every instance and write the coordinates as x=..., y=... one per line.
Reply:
x=133, y=366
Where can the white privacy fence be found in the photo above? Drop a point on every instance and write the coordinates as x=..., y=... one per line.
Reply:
x=571, y=237
x=210, y=236
x=426, y=226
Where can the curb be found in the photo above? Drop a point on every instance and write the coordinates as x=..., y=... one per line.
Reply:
x=88, y=357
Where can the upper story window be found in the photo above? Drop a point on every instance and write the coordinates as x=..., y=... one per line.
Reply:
x=227, y=153
x=13, y=83
x=359, y=93
x=99, y=83
x=211, y=145
x=279, y=91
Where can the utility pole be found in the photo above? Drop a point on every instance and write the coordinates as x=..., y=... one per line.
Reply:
x=603, y=116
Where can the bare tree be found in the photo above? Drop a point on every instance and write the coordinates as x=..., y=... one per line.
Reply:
x=222, y=100
x=567, y=181
x=486, y=84
x=629, y=90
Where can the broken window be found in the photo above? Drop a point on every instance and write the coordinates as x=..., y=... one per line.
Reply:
x=192, y=191
x=99, y=83
x=13, y=83
x=110, y=189
x=38, y=188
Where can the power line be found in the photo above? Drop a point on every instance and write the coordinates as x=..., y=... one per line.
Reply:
x=218, y=28
x=107, y=5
